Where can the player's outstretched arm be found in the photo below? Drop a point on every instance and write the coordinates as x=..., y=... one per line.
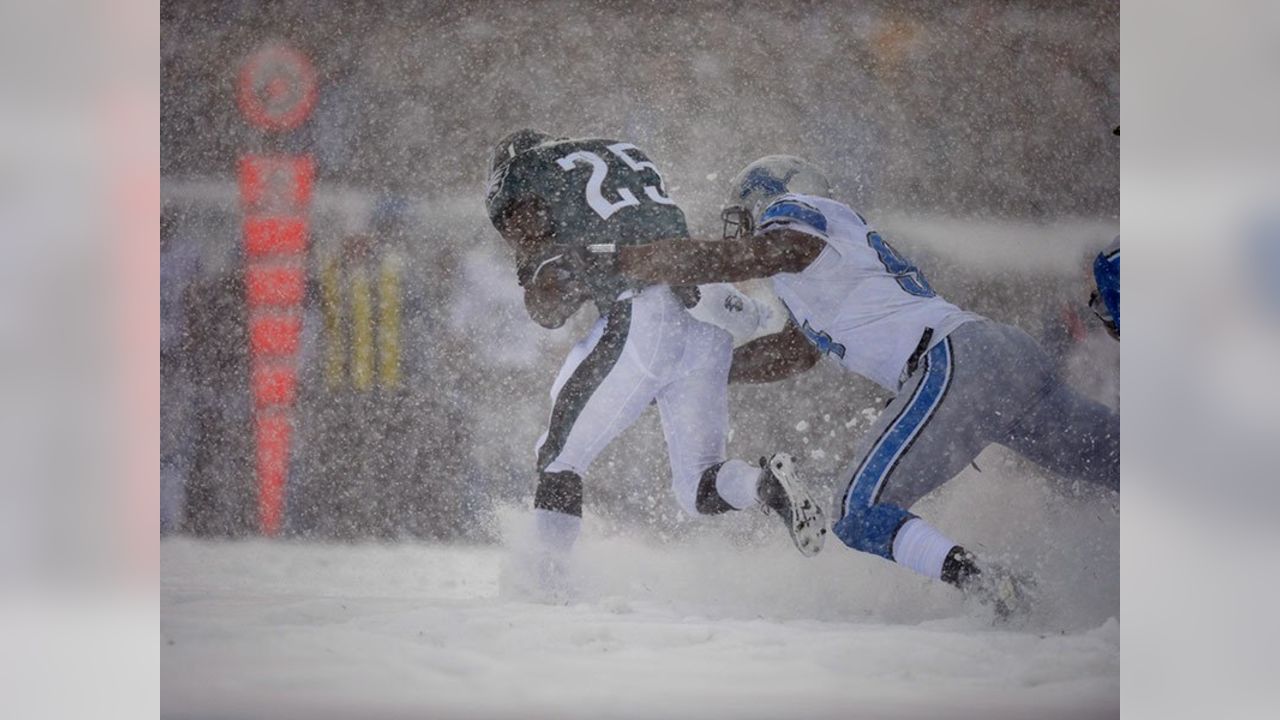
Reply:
x=773, y=357
x=694, y=262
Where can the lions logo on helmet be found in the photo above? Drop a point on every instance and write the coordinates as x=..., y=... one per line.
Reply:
x=762, y=181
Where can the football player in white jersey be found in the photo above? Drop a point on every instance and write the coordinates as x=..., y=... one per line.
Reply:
x=960, y=381
x=547, y=195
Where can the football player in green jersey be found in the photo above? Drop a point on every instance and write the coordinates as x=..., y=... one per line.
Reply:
x=548, y=195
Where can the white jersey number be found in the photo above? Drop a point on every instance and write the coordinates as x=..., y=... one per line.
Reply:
x=656, y=194
x=595, y=183
x=599, y=170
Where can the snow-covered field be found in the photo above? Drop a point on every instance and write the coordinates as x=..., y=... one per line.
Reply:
x=709, y=627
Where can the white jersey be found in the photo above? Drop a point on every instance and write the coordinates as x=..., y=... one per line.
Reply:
x=859, y=300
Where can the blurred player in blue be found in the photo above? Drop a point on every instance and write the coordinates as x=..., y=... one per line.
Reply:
x=960, y=380
x=1105, y=300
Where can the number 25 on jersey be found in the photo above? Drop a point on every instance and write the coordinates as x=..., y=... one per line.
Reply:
x=600, y=170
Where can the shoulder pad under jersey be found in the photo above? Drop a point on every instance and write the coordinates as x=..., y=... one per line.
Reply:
x=794, y=213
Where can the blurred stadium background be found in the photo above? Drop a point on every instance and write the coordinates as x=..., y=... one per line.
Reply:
x=977, y=136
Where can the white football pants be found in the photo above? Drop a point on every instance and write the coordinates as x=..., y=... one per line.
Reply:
x=649, y=348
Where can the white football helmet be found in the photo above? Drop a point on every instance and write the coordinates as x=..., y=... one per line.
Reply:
x=762, y=181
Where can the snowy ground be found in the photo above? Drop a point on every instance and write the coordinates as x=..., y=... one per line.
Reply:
x=712, y=627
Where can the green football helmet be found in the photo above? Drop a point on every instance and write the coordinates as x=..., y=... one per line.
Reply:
x=500, y=158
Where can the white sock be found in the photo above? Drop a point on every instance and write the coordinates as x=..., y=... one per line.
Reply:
x=919, y=546
x=556, y=531
x=736, y=482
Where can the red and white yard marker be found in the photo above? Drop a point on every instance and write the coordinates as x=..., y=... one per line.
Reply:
x=276, y=93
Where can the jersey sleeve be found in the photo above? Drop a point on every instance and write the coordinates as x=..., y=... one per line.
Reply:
x=794, y=214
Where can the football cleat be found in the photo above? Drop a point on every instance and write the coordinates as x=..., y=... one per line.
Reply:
x=780, y=491
x=1010, y=594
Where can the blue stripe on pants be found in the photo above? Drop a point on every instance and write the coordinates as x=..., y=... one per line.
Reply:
x=866, y=525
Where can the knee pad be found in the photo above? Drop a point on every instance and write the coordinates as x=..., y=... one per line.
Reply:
x=559, y=492
x=872, y=529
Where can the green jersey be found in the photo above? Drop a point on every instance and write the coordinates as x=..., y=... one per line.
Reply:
x=590, y=190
